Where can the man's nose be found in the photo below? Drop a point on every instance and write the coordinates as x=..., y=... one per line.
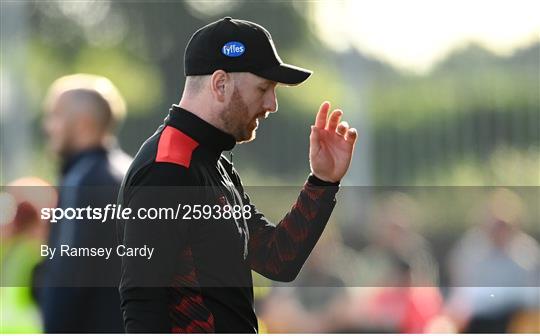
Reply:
x=271, y=103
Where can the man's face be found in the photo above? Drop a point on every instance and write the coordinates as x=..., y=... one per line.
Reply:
x=58, y=126
x=253, y=98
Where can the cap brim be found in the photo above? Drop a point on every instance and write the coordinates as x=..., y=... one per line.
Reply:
x=285, y=74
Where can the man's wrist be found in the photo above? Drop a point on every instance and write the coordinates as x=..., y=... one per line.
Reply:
x=322, y=183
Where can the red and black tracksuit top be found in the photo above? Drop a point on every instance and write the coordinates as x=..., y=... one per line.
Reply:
x=199, y=279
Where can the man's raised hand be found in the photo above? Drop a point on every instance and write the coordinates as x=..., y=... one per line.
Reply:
x=331, y=145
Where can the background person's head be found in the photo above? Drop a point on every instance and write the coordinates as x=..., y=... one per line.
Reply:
x=82, y=111
x=502, y=216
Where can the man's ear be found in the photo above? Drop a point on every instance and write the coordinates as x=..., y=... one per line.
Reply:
x=220, y=85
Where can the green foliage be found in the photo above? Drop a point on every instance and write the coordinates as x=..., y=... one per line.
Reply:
x=324, y=84
x=447, y=126
x=44, y=64
x=450, y=90
x=139, y=82
x=505, y=166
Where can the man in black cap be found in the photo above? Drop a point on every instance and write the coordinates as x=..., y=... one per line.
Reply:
x=200, y=279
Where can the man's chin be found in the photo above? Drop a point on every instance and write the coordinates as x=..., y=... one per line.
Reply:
x=247, y=138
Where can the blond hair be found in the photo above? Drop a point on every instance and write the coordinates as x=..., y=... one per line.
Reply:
x=99, y=87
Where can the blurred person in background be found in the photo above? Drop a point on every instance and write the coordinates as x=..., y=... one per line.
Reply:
x=82, y=113
x=399, y=275
x=393, y=242
x=318, y=301
x=495, y=270
x=21, y=233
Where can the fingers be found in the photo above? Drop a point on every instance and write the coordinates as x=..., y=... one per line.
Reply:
x=342, y=128
x=351, y=135
x=334, y=119
x=320, y=119
x=332, y=123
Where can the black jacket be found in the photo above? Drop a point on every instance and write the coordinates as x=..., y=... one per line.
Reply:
x=72, y=295
x=200, y=279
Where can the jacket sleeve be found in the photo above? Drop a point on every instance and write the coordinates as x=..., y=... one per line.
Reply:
x=278, y=252
x=145, y=282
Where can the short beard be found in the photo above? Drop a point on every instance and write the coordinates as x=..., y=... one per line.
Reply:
x=67, y=151
x=236, y=119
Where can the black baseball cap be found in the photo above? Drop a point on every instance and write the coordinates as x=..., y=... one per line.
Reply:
x=238, y=46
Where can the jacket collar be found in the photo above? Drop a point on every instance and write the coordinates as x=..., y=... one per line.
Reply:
x=70, y=161
x=207, y=135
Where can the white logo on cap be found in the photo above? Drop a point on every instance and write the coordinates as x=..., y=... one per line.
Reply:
x=233, y=49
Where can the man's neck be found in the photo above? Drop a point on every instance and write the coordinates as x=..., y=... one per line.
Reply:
x=203, y=111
